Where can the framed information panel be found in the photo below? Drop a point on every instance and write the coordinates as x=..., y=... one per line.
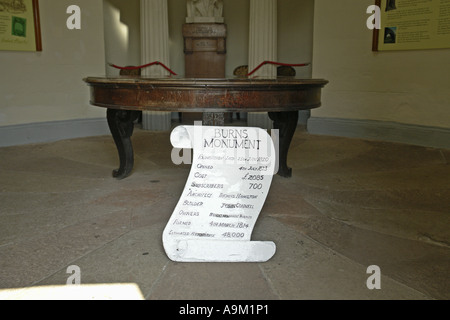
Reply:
x=413, y=25
x=19, y=25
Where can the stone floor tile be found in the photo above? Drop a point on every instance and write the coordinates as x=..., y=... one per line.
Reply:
x=350, y=204
x=137, y=257
x=304, y=269
x=216, y=281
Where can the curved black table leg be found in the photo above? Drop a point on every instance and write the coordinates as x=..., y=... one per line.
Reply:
x=286, y=123
x=121, y=125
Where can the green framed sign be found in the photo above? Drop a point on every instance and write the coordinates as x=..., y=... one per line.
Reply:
x=412, y=25
x=20, y=28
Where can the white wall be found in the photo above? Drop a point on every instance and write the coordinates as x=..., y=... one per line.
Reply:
x=408, y=87
x=47, y=86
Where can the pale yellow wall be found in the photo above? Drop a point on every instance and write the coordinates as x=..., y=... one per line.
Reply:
x=122, y=33
x=47, y=86
x=236, y=14
x=410, y=87
x=295, y=33
x=177, y=16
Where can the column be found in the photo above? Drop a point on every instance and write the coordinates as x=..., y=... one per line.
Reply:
x=262, y=47
x=155, y=47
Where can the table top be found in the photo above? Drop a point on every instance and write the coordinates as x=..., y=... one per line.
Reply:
x=220, y=82
x=176, y=94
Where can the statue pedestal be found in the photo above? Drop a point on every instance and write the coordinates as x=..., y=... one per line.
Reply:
x=205, y=54
x=204, y=49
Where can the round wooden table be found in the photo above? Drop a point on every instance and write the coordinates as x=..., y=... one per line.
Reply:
x=124, y=97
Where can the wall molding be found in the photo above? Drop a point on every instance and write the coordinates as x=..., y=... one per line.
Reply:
x=43, y=132
x=380, y=130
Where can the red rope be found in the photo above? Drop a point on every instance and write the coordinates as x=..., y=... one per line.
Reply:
x=144, y=66
x=278, y=64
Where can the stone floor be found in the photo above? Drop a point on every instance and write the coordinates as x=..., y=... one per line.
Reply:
x=350, y=204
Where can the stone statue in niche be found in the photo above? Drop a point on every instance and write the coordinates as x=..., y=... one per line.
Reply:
x=204, y=11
